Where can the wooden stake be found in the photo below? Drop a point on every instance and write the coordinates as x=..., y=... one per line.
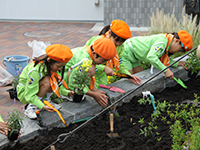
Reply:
x=53, y=147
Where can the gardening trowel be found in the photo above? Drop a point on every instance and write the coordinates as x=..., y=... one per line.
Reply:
x=122, y=75
x=112, y=134
x=113, y=88
x=180, y=82
x=59, y=114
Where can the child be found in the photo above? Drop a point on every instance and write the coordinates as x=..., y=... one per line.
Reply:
x=40, y=78
x=101, y=51
x=156, y=49
x=118, y=32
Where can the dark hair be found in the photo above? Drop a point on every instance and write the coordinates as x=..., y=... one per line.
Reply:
x=116, y=37
x=47, y=65
x=175, y=35
x=97, y=56
x=106, y=29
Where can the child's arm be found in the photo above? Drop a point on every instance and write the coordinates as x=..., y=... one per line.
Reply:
x=65, y=92
x=169, y=74
x=32, y=88
x=122, y=66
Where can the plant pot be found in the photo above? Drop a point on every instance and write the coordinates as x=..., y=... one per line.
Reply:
x=12, y=93
x=192, y=76
x=13, y=136
x=78, y=98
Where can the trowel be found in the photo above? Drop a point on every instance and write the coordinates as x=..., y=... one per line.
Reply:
x=112, y=134
x=122, y=75
x=179, y=81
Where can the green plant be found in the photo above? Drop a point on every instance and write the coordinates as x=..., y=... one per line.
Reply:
x=81, y=77
x=145, y=65
x=15, y=81
x=181, y=118
x=111, y=79
x=56, y=99
x=193, y=62
x=15, y=120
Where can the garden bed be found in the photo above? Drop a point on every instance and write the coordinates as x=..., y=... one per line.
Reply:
x=93, y=136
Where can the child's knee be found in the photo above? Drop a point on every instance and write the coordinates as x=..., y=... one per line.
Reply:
x=45, y=83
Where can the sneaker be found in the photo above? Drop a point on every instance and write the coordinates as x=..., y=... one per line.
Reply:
x=30, y=111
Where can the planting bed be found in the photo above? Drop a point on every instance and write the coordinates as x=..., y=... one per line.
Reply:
x=93, y=136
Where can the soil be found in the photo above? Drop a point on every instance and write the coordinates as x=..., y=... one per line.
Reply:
x=93, y=136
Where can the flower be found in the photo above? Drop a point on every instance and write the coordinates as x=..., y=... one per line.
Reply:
x=14, y=121
x=81, y=78
x=111, y=79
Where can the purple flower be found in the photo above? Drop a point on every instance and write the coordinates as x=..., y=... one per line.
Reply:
x=21, y=108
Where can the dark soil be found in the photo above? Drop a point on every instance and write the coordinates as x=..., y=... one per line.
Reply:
x=93, y=136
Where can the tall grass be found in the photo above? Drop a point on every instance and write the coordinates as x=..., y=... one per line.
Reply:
x=167, y=23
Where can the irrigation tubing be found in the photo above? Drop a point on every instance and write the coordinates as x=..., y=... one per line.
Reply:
x=66, y=135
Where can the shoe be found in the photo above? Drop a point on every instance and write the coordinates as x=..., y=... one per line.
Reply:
x=30, y=111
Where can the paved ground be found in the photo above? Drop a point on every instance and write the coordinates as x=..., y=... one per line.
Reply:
x=15, y=35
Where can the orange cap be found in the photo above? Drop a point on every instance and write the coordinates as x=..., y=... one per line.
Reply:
x=59, y=52
x=120, y=28
x=186, y=40
x=105, y=48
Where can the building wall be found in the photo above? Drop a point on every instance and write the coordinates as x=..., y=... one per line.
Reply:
x=67, y=10
x=136, y=13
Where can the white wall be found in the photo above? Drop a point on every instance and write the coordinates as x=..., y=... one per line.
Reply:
x=80, y=10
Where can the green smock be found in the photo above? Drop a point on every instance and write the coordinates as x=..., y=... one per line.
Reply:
x=28, y=85
x=145, y=48
x=100, y=75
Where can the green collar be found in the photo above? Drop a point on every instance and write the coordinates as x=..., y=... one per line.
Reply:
x=168, y=47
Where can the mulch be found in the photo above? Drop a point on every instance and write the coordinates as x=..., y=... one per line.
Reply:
x=93, y=136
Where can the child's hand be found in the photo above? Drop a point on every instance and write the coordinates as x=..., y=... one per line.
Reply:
x=71, y=93
x=183, y=64
x=169, y=74
x=108, y=71
x=49, y=109
x=18, y=136
x=136, y=80
x=101, y=98
x=3, y=128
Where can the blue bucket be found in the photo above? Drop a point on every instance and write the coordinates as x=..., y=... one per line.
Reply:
x=15, y=63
